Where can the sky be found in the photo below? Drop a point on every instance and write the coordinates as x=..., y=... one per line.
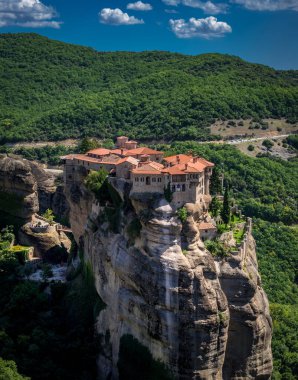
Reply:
x=262, y=31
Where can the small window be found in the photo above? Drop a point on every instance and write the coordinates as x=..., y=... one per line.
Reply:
x=173, y=188
x=183, y=187
x=158, y=179
x=153, y=179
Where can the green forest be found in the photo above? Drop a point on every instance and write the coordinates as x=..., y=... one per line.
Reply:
x=52, y=90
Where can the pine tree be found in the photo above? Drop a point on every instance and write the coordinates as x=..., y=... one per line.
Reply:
x=225, y=212
x=215, y=182
x=214, y=206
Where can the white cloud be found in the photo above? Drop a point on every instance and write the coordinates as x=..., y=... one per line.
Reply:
x=173, y=11
x=27, y=13
x=206, y=6
x=139, y=6
x=117, y=17
x=206, y=28
x=268, y=5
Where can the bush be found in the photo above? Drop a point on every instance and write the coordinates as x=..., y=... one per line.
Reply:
x=250, y=148
x=95, y=180
x=268, y=144
x=182, y=214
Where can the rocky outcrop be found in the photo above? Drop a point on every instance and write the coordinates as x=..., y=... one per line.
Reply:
x=159, y=283
x=27, y=188
x=18, y=188
x=50, y=245
x=248, y=353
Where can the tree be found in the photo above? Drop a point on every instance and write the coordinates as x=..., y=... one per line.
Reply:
x=182, y=214
x=267, y=144
x=95, y=180
x=49, y=215
x=87, y=144
x=8, y=371
x=250, y=148
x=225, y=212
x=215, y=206
x=215, y=182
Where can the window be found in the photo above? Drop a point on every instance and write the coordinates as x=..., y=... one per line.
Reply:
x=173, y=188
x=158, y=179
x=142, y=179
x=137, y=179
x=153, y=179
x=183, y=187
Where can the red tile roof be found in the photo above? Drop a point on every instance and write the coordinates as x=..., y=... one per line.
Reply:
x=182, y=158
x=100, y=151
x=129, y=159
x=141, y=150
x=206, y=226
x=148, y=168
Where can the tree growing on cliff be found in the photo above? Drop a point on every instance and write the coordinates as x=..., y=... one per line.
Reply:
x=95, y=180
x=215, y=182
x=226, y=212
x=49, y=215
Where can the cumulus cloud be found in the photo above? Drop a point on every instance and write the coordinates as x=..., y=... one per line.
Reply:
x=27, y=13
x=139, y=6
x=117, y=17
x=206, y=6
x=268, y=5
x=206, y=28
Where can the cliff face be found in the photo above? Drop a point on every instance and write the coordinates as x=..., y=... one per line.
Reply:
x=204, y=318
x=26, y=188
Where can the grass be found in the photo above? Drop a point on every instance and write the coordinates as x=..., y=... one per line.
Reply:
x=238, y=235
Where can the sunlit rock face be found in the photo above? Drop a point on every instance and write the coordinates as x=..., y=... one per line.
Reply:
x=18, y=188
x=164, y=288
x=28, y=188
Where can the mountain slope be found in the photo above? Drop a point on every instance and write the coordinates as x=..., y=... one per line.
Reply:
x=53, y=90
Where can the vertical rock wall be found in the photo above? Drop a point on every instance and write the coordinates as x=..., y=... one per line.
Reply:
x=191, y=311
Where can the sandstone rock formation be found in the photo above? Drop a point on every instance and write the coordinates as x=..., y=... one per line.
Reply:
x=50, y=245
x=18, y=188
x=26, y=188
x=203, y=317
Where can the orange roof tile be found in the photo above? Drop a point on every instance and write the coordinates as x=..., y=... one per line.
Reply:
x=99, y=151
x=148, y=168
x=132, y=160
x=173, y=170
x=174, y=159
x=206, y=226
x=119, y=151
x=205, y=162
x=142, y=150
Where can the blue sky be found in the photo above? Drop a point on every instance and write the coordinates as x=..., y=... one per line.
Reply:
x=263, y=31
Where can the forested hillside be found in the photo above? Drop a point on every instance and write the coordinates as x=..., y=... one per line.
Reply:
x=51, y=90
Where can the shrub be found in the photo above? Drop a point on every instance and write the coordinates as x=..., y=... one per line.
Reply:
x=182, y=214
x=95, y=180
x=49, y=215
x=215, y=248
x=250, y=148
x=267, y=144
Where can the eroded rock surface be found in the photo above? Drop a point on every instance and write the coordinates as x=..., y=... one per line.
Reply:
x=204, y=318
x=26, y=188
